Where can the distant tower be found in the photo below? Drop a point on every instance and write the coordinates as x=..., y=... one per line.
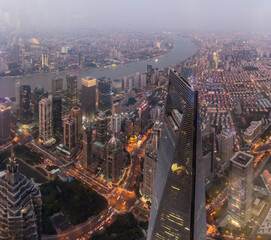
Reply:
x=45, y=119
x=17, y=92
x=69, y=133
x=240, y=188
x=104, y=96
x=143, y=83
x=44, y=60
x=215, y=60
x=71, y=90
x=88, y=99
x=4, y=123
x=57, y=113
x=87, y=146
x=113, y=160
x=20, y=208
x=76, y=116
x=57, y=86
x=25, y=111
x=137, y=80
x=38, y=95
x=131, y=85
x=150, y=71
x=101, y=128
x=116, y=124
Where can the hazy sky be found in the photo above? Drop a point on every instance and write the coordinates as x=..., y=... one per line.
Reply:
x=246, y=15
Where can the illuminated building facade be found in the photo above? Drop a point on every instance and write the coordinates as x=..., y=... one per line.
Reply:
x=57, y=113
x=87, y=146
x=104, y=96
x=76, y=116
x=57, y=86
x=45, y=119
x=113, y=160
x=88, y=99
x=116, y=124
x=101, y=128
x=226, y=146
x=38, y=95
x=17, y=92
x=178, y=202
x=44, y=60
x=240, y=188
x=25, y=111
x=20, y=205
x=69, y=133
x=71, y=90
x=4, y=123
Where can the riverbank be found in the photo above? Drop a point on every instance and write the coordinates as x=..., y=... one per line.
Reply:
x=182, y=50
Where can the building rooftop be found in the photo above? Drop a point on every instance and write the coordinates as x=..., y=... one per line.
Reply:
x=242, y=158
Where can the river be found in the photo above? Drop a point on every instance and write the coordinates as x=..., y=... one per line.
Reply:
x=182, y=49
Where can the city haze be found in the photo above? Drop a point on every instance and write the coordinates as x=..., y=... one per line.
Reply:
x=155, y=14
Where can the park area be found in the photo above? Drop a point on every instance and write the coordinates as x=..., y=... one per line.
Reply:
x=58, y=196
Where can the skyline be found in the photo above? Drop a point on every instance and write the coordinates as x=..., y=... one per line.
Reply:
x=209, y=15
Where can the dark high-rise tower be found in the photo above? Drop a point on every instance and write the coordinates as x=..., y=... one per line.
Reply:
x=71, y=90
x=25, y=112
x=57, y=85
x=57, y=114
x=87, y=145
x=178, y=203
x=4, y=123
x=104, y=96
x=150, y=71
x=38, y=95
x=101, y=128
x=88, y=99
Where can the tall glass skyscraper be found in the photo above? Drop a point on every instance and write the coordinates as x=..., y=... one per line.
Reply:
x=104, y=96
x=178, y=203
x=71, y=90
x=25, y=111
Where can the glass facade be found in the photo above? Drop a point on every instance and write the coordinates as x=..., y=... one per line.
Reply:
x=71, y=90
x=25, y=111
x=104, y=96
x=38, y=95
x=178, y=204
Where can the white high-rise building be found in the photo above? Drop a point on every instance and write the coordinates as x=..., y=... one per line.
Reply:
x=226, y=145
x=137, y=80
x=240, y=188
x=45, y=119
x=116, y=123
x=143, y=81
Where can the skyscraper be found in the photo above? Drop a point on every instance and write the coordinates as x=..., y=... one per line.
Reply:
x=20, y=205
x=45, y=119
x=150, y=161
x=38, y=95
x=44, y=60
x=25, y=111
x=17, y=92
x=76, y=116
x=57, y=86
x=71, y=90
x=4, y=123
x=150, y=71
x=57, y=113
x=88, y=99
x=69, y=133
x=104, y=96
x=116, y=124
x=87, y=145
x=226, y=146
x=178, y=202
x=137, y=80
x=240, y=188
x=101, y=128
x=113, y=160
